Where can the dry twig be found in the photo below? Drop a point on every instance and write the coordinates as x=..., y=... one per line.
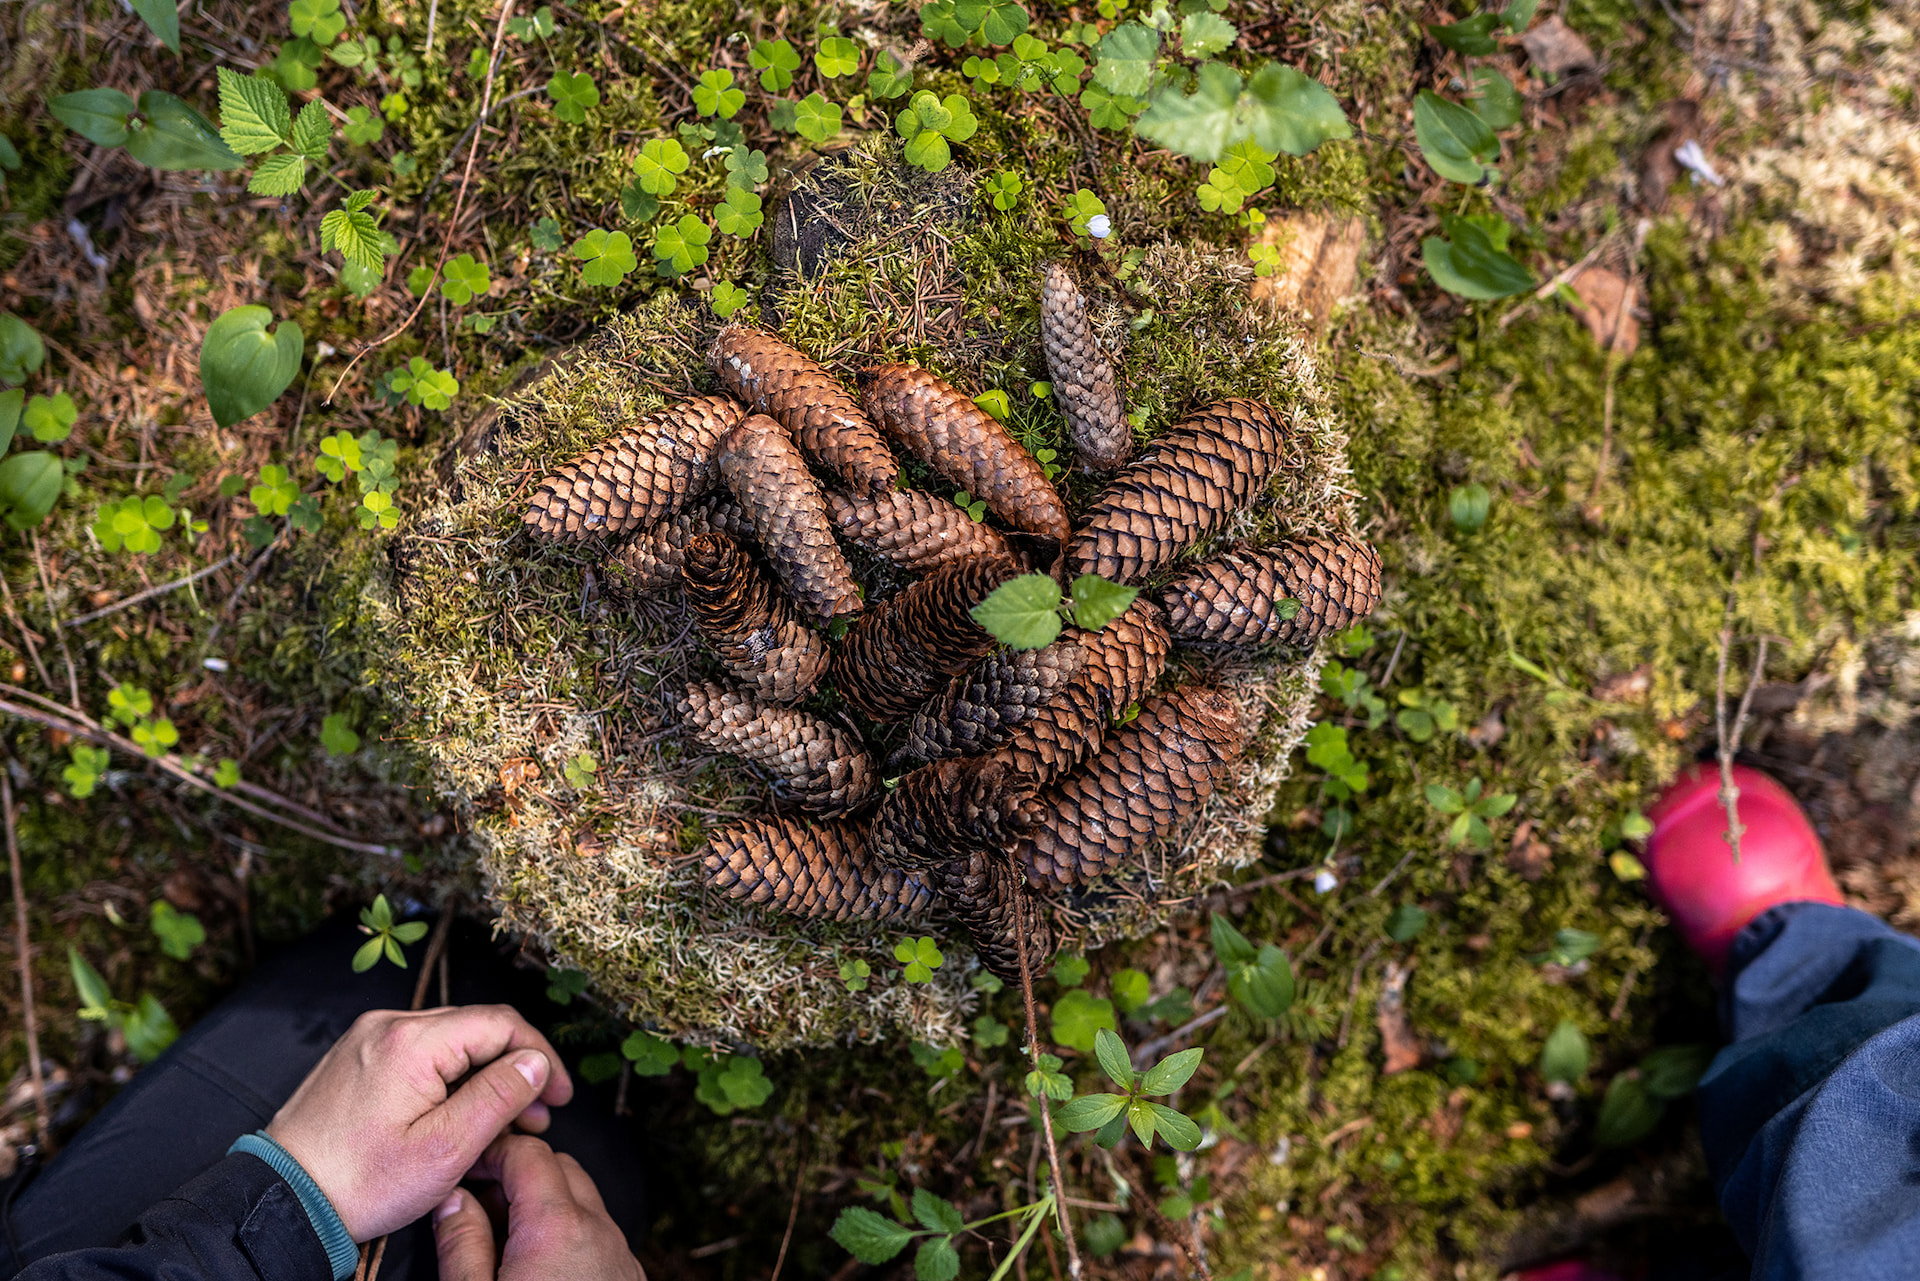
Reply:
x=42, y=1126
x=160, y=590
x=1729, y=737
x=1046, y=1112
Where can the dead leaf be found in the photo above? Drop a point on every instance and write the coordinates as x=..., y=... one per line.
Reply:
x=517, y=773
x=1528, y=855
x=1556, y=49
x=1490, y=730
x=1402, y=1048
x=588, y=843
x=1319, y=261
x=1606, y=309
x=1626, y=687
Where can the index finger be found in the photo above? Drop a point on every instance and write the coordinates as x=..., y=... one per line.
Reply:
x=460, y=1038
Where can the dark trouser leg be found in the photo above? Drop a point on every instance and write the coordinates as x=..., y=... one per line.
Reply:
x=232, y=1070
x=1811, y=1115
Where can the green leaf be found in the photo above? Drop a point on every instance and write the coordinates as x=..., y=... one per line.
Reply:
x=599, y=1068
x=936, y=1260
x=175, y=136
x=869, y=1237
x=368, y=954
x=162, y=18
x=606, y=256
x=728, y=298
x=337, y=734
x=1172, y=1072
x=890, y=77
x=1071, y=971
x=1628, y=1113
x=10, y=405
x=179, y=932
x=50, y=418
x=1204, y=34
x=98, y=115
x=1078, y=1017
x=1181, y=1134
x=776, y=62
x=254, y=115
x=226, y=773
x=1565, y=1055
x=95, y=998
x=1452, y=139
x=746, y=169
x=1229, y=944
x=1518, y=14
x=243, y=366
x=1126, y=59
x=936, y=1214
x=1104, y=1235
x=1674, y=1071
x=280, y=175
x=681, y=246
x=739, y=214
x=1468, y=505
x=716, y=95
x=1292, y=112
x=815, y=118
x=1444, y=798
x=354, y=232
x=465, y=279
x=1089, y=1112
x=1002, y=22
x=22, y=351
x=1140, y=1119
x=319, y=20
x=311, y=130
x=148, y=1028
x=1022, y=612
x=410, y=932
x=659, y=160
x=1263, y=987
x=1469, y=265
x=1131, y=990
x=1498, y=102
x=1097, y=602
x=572, y=93
x=837, y=56
x=1407, y=923
x=1111, y=1052
x=1474, y=37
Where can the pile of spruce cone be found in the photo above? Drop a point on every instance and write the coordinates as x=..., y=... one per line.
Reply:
x=1019, y=771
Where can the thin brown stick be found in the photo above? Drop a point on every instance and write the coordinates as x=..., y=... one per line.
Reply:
x=150, y=593
x=1729, y=790
x=80, y=725
x=459, y=203
x=436, y=945
x=1046, y=1112
x=42, y=1119
x=59, y=634
x=33, y=651
x=793, y=1216
x=1199, y=1246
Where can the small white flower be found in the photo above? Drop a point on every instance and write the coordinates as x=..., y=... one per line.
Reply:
x=1690, y=155
x=1099, y=227
x=1324, y=880
x=214, y=664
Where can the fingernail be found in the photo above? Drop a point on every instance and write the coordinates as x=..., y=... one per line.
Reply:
x=449, y=1206
x=533, y=1065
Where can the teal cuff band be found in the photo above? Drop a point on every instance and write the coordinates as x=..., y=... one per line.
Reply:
x=342, y=1253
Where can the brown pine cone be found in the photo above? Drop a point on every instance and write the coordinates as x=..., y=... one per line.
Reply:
x=1231, y=599
x=1151, y=774
x=790, y=387
x=639, y=477
x=815, y=763
x=811, y=868
x=965, y=445
x=770, y=480
x=749, y=621
x=904, y=649
x=1123, y=660
x=985, y=895
x=913, y=529
x=947, y=810
x=654, y=557
x=1186, y=486
x=1083, y=383
x=980, y=708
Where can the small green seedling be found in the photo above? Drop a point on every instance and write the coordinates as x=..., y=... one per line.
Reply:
x=921, y=957
x=179, y=932
x=337, y=734
x=146, y=1026
x=1112, y=1115
x=84, y=773
x=466, y=278
x=387, y=936
x=1028, y=612
x=873, y=1238
x=1260, y=980
x=1003, y=189
x=1471, y=811
x=580, y=770
x=856, y=975
x=564, y=985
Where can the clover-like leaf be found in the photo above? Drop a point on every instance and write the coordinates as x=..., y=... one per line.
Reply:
x=776, y=61
x=1078, y=1017
x=715, y=94
x=815, y=118
x=606, y=256
x=659, y=160
x=739, y=214
x=573, y=92
x=50, y=418
x=681, y=246
x=837, y=56
x=464, y=279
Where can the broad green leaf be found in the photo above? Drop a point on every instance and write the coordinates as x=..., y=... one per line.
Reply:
x=1565, y=1055
x=1111, y=1052
x=928, y=150
x=1181, y=1134
x=279, y=175
x=162, y=18
x=254, y=115
x=243, y=366
x=1131, y=989
x=318, y=20
x=1452, y=138
x=1628, y=1113
x=368, y=954
x=1097, y=602
x=1105, y=1235
x=890, y=77
x=22, y=351
x=11, y=403
x=1204, y=34
x=935, y=1213
x=1172, y=1072
x=1078, y=1017
x=776, y=61
x=411, y=931
x=1498, y=102
x=95, y=998
x=1292, y=112
x=1140, y=1119
x=149, y=1029
x=1468, y=505
x=1474, y=37
x=98, y=115
x=1229, y=944
x=1518, y=14
x=869, y=1237
x=1674, y=1071
x=1444, y=798
x=1264, y=986
x=1022, y=612
x=1003, y=22
x=1470, y=266
x=50, y=418
x=311, y=130
x=837, y=56
x=1126, y=59
x=1071, y=971
x=816, y=119
x=1089, y=1112
x=175, y=136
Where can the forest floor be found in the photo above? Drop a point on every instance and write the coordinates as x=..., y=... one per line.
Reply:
x=1679, y=469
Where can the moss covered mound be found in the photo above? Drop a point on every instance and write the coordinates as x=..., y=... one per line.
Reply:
x=517, y=659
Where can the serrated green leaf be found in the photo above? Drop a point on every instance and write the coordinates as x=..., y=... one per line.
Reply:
x=869, y=1237
x=935, y=1213
x=254, y=115
x=1022, y=612
x=936, y=1260
x=1078, y=1017
x=98, y=115
x=355, y=234
x=1126, y=59
x=1292, y=112
x=279, y=175
x=1097, y=602
x=1204, y=34
x=243, y=366
x=311, y=130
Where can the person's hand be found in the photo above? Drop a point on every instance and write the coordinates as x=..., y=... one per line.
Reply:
x=557, y=1226
x=374, y=1123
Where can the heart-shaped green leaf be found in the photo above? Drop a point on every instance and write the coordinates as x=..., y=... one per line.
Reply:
x=244, y=366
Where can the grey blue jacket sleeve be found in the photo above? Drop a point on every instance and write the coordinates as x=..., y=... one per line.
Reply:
x=240, y=1221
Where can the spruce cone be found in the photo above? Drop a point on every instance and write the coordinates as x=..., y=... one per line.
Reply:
x=1185, y=487
x=770, y=479
x=904, y=649
x=641, y=476
x=1123, y=660
x=1336, y=580
x=810, y=868
x=1151, y=774
x=982, y=707
x=654, y=558
x=749, y=621
x=913, y=529
x=965, y=445
x=986, y=897
x=948, y=810
x=814, y=762
x=790, y=387
x=1082, y=377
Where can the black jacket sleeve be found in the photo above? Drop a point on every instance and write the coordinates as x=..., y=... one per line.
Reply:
x=237, y=1222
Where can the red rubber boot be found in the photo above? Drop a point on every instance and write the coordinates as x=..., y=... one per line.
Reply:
x=1691, y=871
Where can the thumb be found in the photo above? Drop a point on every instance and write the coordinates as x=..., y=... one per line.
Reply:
x=463, y=1236
x=475, y=1114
